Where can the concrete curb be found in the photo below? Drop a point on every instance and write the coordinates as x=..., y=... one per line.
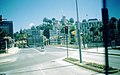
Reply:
x=91, y=68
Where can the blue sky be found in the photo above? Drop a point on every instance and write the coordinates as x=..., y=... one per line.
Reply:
x=114, y=8
x=31, y=12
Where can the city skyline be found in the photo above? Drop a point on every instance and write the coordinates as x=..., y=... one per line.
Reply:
x=25, y=13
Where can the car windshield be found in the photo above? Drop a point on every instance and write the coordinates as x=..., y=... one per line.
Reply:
x=59, y=37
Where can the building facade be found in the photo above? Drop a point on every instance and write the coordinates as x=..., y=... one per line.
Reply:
x=35, y=38
x=7, y=27
x=91, y=31
x=6, y=30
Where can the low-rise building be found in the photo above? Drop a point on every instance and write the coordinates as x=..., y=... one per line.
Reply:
x=35, y=38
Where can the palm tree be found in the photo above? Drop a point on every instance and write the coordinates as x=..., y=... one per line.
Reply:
x=45, y=20
x=71, y=20
x=54, y=21
x=33, y=28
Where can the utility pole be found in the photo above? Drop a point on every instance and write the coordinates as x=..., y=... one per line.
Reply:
x=78, y=33
x=105, y=35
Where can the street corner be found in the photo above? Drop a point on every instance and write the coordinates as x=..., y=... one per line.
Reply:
x=11, y=51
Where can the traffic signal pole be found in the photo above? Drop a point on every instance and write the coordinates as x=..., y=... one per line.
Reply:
x=66, y=33
x=67, y=44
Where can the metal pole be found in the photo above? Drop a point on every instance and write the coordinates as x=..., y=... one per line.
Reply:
x=78, y=33
x=6, y=45
x=67, y=44
x=105, y=35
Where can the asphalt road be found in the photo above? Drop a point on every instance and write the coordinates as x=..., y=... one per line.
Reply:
x=34, y=61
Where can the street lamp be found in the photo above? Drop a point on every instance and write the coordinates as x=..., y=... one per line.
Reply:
x=78, y=33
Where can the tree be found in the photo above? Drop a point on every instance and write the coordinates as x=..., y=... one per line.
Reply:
x=63, y=20
x=63, y=30
x=92, y=29
x=112, y=23
x=47, y=25
x=72, y=28
x=16, y=36
x=33, y=28
x=38, y=27
x=45, y=20
x=101, y=29
x=119, y=26
x=71, y=20
x=54, y=21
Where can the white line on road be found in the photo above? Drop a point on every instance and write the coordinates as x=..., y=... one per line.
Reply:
x=42, y=52
x=43, y=73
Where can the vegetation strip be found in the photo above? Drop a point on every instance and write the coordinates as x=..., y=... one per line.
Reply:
x=92, y=66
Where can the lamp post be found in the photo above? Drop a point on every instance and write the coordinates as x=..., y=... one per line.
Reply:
x=78, y=33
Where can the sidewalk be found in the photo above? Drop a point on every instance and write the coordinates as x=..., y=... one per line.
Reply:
x=4, y=58
x=99, y=50
x=11, y=51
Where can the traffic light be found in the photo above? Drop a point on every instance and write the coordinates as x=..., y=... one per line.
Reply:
x=66, y=29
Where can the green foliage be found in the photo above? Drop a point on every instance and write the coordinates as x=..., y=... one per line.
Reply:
x=72, y=59
x=46, y=33
x=71, y=20
x=33, y=28
x=62, y=30
x=100, y=66
x=92, y=29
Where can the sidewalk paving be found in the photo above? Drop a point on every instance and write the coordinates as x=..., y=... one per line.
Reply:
x=99, y=50
x=11, y=51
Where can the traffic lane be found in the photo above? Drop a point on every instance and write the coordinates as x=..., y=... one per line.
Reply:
x=9, y=59
x=25, y=60
x=12, y=58
x=88, y=57
x=64, y=68
x=18, y=53
x=54, y=67
x=54, y=49
x=114, y=61
x=100, y=58
x=96, y=58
